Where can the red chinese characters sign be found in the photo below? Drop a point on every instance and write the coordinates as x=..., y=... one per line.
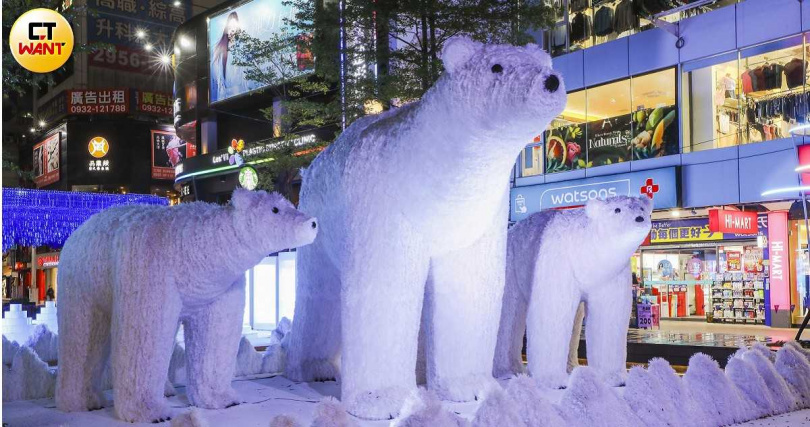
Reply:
x=159, y=103
x=104, y=101
x=722, y=221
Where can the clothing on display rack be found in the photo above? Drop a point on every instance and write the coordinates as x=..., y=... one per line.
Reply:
x=603, y=21
x=745, y=79
x=769, y=76
x=580, y=27
x=794, y=72
x=625, y=17
x=651, y=7
x=558, y=36
x=789, y=107
x=578, y=5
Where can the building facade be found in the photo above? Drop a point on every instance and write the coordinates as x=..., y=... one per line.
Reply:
x=691, y=106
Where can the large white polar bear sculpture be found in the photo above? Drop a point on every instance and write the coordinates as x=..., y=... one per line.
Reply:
x=555, y=260
x=129, y=274
x=414, y=202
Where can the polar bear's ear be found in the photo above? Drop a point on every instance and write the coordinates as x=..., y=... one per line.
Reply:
x=243, y=199
x=648, y=203
x=540, y=54
x=457, y=51
x=595, y=208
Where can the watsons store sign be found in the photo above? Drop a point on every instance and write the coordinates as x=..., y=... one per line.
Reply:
x=658, y=184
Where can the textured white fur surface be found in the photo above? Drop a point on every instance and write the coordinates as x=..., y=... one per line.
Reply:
x=44, y=343
x=128, y=277
x=795, y=369
x=647, y=398
x=331, y=413
x=674, y=389
x=284, y=421
x=783, y=398
x=413, y=205
x=10, y=348
x=557, y=259
x=745, y=376
x=498, y=409
x=534, y=408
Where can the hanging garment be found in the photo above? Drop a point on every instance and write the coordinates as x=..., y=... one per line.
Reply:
x=558, y=36
x=725, y=122
x=580, y=28
x=603, y=21
x=776, y=76
x=625, y=17
x=767, y=75
x=754, y=82
x=578, y=5
x=745, y=79
x=794, y=73
x=759, y=73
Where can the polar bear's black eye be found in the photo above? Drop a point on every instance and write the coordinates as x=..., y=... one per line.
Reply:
x=617, y=210
x=497, y=68
x=275, y=210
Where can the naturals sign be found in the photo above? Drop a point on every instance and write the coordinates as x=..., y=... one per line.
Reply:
x=657, y=184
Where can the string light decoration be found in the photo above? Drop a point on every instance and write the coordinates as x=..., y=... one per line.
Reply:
x=46, y=217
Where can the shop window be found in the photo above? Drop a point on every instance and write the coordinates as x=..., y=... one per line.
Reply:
x=607, y=134
x=743, y=97
x=565, y=139
x=584, y=23
x=654, y=119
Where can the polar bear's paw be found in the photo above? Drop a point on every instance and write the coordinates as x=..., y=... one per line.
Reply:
x=143, y=412
x=381, y=404
x=462, y=389
x=313, y=370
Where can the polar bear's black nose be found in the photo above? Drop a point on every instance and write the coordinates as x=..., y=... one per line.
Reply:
x=639, y=218
x=315, y=224
x=552, y=83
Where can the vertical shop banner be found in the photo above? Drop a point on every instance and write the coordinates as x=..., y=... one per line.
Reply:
x=46, y=161
x=260, y=19
x=778, y=253
x=167, y=152
x=655, y=132
x=565, y=148
x=101, y=101
x=157, y=103
x=609, y=141
x=117, y=22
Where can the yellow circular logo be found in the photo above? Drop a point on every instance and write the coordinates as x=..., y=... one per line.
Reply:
x=41, y=40
x=98, y=147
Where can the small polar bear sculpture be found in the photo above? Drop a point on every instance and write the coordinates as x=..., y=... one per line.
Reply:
x=557, y=259
x=129, y=275
x=413, y=205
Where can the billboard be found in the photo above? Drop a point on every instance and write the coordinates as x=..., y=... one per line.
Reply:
x=158, y=103
x=102, y=101
x=46, y=161
x=167, y=152
x=261, y=19
x=658, y=184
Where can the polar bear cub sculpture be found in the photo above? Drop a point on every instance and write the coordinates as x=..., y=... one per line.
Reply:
x=414, y=206
x=130, y=274
x=557, y=259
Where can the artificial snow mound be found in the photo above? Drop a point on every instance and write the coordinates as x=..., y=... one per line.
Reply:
x=423, y=408
x=587, y=402
x=713, y=391
x=547, y=278
x=413, y=204
x=284, y=421
x=751, y=385
x=192, y=418
x=10, y=349
x=783, y=398
x=534, y=409
x=44, y=343
x=646, y=396
x=27, y=378
x=126, y=280
x=498, y=409
x=795, y=369
x=330, y=413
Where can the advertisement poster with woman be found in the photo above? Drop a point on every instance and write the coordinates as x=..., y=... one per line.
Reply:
x=46, y=161
x=167, y=152
x=258, y=19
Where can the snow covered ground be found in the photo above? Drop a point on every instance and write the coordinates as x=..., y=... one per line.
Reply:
x=264, y=398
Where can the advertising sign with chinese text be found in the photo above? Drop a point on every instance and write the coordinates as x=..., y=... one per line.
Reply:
x=117, y=22
x=46, y=161
x=159, y=103
x=102, y=101
x=167, y=152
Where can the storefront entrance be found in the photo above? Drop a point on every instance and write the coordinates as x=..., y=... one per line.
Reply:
x=270, y=293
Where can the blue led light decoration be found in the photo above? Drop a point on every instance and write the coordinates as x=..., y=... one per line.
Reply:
x=46, y=217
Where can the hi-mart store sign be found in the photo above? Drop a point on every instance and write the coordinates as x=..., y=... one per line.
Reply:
x=658, y=184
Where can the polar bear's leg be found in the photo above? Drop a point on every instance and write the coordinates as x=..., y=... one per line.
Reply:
x=464, y=298
x=552, y=309
x=608, y=313
x=212, y=336
x=84, y=346
x=143, y=328
x=508, y=358
x=315, y=339
x=381, y=308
